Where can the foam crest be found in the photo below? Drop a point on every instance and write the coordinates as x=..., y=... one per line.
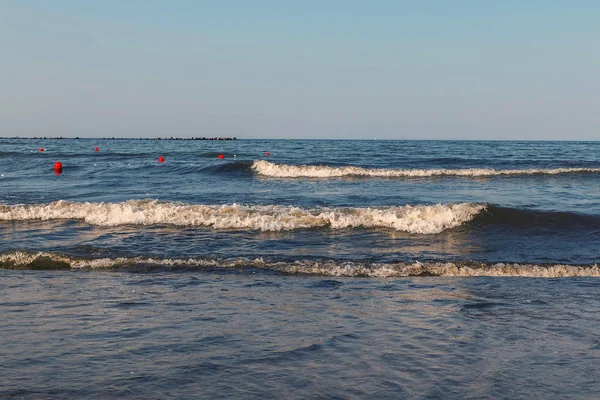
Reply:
x=24, y=260
x=267, y=168
x=417, y=219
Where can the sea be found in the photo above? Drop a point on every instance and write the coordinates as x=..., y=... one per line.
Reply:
x=321, y=269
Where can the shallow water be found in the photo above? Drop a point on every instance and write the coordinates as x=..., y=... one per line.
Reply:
x=246, y=334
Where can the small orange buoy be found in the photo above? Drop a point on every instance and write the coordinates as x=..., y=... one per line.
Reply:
x=221, y=156
x=42, y=149
x=267, y=154
x=58, y=167
x=161, y=159
x=96, y=149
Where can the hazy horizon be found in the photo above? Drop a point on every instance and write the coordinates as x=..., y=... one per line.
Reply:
x=268, y=70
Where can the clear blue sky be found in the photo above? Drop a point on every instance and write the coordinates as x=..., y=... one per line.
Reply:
x=512, y=69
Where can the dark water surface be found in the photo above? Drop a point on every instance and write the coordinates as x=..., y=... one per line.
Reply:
x=328, y=269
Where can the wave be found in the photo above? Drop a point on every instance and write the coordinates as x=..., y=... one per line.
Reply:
x=45, y=260
x=267, y=168
x=556, y=221
x=230, y=167
x=417, y=219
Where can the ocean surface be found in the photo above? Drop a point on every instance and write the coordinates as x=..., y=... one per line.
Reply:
x=299, y=269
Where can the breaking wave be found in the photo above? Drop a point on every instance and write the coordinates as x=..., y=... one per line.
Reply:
x=36, y=261
x=417, y=219
x=267, y=168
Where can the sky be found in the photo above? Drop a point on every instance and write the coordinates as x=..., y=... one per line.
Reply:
x=455, y=69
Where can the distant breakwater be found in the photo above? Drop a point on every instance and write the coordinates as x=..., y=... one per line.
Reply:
x=118, y=138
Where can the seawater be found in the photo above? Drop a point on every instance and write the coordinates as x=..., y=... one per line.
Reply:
x=334, y=269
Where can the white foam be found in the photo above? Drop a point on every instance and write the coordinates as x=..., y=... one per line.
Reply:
x=267, y=168
x=326, y=268
x=418, y=219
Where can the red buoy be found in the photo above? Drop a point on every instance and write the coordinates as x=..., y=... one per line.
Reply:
x=161, y=159
x=58, y=167
x=42, y=149
x=221, y=156
x=267, y=154
x=96, y=149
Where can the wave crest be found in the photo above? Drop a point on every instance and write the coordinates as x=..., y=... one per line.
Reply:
x=267, y=168
x=417, y=219
x=24, y=260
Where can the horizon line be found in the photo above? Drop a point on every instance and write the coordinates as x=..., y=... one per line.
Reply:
x=229, y=138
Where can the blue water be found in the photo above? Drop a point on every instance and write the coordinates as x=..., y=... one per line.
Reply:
x=331, y=269
x=536, y=218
